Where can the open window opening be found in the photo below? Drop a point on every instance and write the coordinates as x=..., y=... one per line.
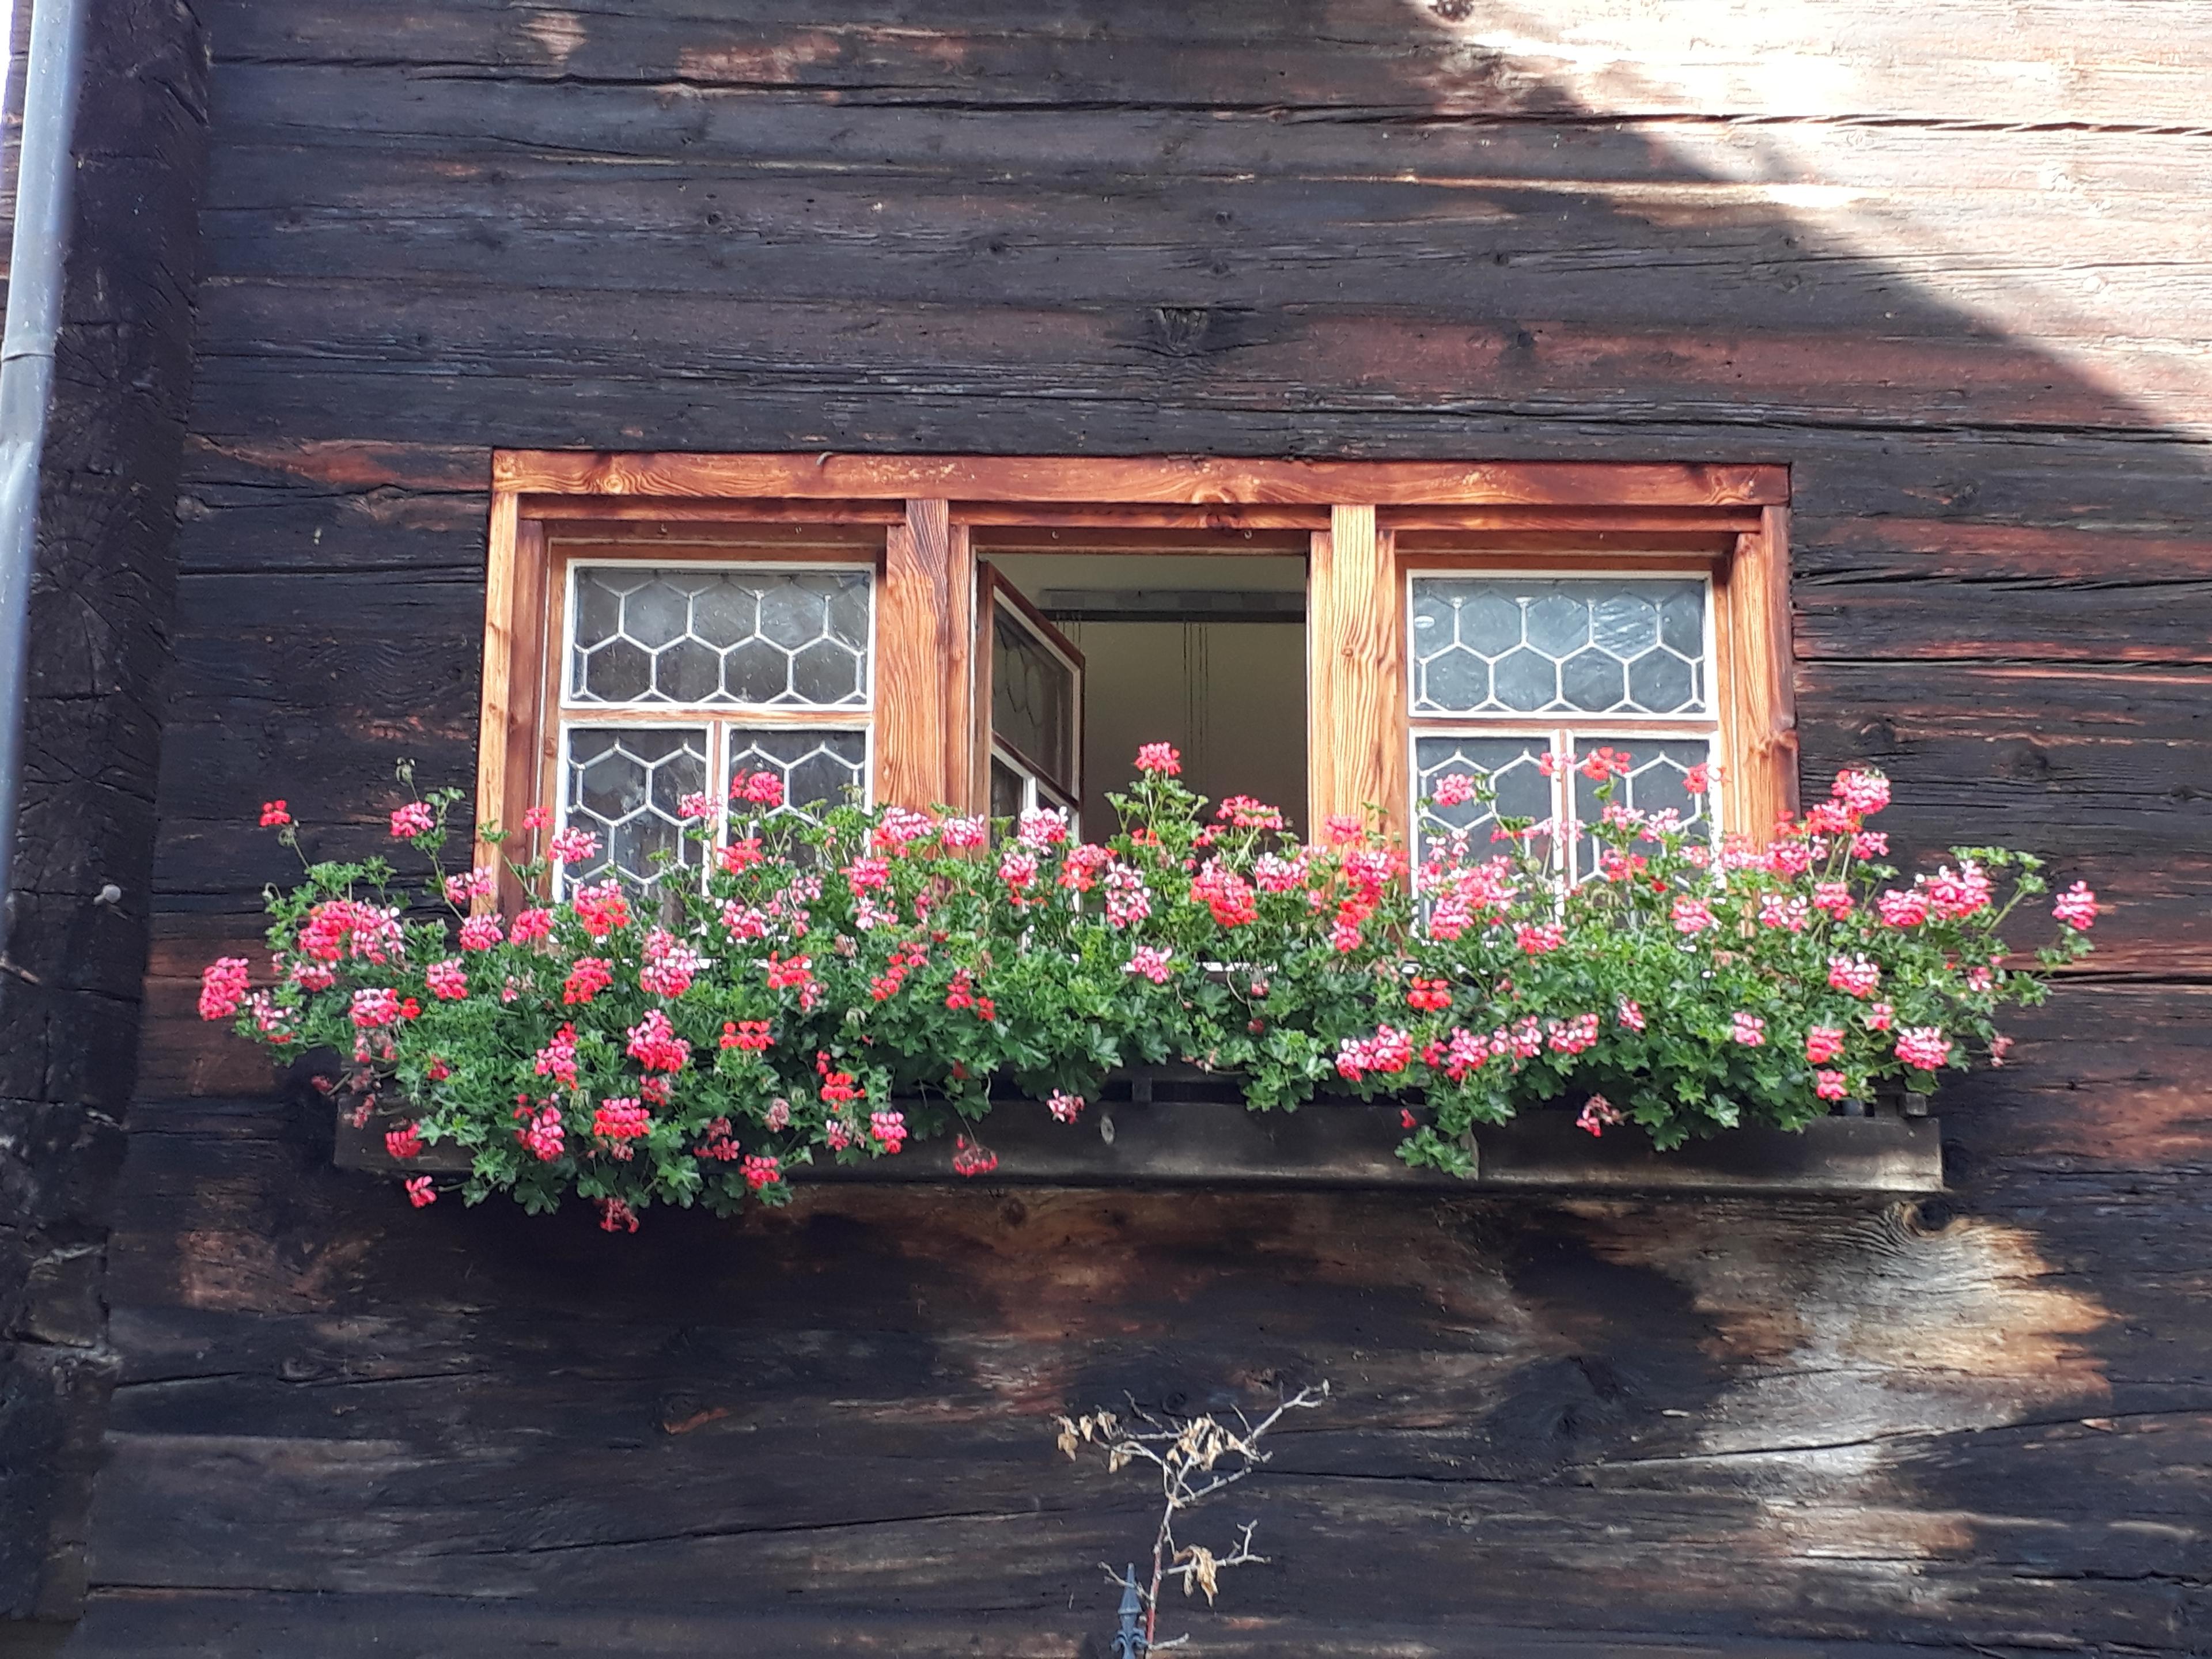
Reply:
x=1097, y=650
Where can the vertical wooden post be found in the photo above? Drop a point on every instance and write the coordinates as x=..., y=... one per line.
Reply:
x=924, y=619
x=965, y=726
x=1355, y=674
x=1760, y=715
x=508, y=716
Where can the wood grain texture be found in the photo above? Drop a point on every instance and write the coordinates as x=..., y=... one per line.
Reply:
x=1355, y=674
x=1979, y=61
x=513, y=706
x=216, y=1625
x=1194, y=480
x=98, y=578
x=1759, y=740
x=917, y=710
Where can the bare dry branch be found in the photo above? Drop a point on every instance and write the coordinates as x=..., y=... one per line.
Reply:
x=1196, y=1456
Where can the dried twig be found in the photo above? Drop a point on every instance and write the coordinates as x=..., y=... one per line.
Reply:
x=1195, y=1457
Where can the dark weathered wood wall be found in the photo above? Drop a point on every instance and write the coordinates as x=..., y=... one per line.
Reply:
x=73, y=968
x=1946, y=262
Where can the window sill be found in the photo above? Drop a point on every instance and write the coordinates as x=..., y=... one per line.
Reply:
x=1219, y=1143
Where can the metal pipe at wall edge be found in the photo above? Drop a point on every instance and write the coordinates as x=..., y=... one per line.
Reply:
x=43, y=195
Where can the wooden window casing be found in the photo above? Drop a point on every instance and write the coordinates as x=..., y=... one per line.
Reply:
x=1366, y=524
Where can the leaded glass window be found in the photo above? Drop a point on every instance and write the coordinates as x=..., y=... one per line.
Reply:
x=1505, y=668
x=626, y=784
x=676, y=677
x=766, y=639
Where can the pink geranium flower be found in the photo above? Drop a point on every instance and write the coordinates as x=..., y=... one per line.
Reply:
x=1149, y=962
x=2076, y=906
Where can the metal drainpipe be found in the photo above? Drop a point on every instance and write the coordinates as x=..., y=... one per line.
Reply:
x=26, y=372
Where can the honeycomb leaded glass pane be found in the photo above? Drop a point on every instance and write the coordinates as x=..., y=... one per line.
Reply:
x=819, y=768
x=1611, y=645
x=1655, y=784
x=625, y=784
x=1032, y=700
x=693, y=635
x=1510, y=764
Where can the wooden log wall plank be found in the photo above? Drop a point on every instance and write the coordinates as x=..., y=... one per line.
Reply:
x=950, y=216
x=1977, y=62
x=214, y=1624
x=1541, y=364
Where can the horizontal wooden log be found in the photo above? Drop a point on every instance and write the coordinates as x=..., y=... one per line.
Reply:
x=389, y=140
x=2066, y=507
x=1906, y=590
x=1542, y=363
x=947, y=221
x=1981, y=61
x=214, y=1624
x=1211, y=1145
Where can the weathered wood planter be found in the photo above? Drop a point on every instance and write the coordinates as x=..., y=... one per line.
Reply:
x=1203, y=1143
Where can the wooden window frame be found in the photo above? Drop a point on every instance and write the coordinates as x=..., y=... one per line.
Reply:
x=1366, y=524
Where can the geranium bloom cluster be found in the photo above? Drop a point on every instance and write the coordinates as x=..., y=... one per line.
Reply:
x=1740, y=974
x=814, y=983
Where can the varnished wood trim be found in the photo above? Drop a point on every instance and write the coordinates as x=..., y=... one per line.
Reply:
x=1616, y=524
x=1355, y=673
x=916, y=658
x=963, y=715
x=1139, y=527
x=588, y=512
x=982, y=585
x=930, y=744
x=512, y=708
x=1658, y=563
x=761, y=544
x=1759, y=727
x=1188, y=480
